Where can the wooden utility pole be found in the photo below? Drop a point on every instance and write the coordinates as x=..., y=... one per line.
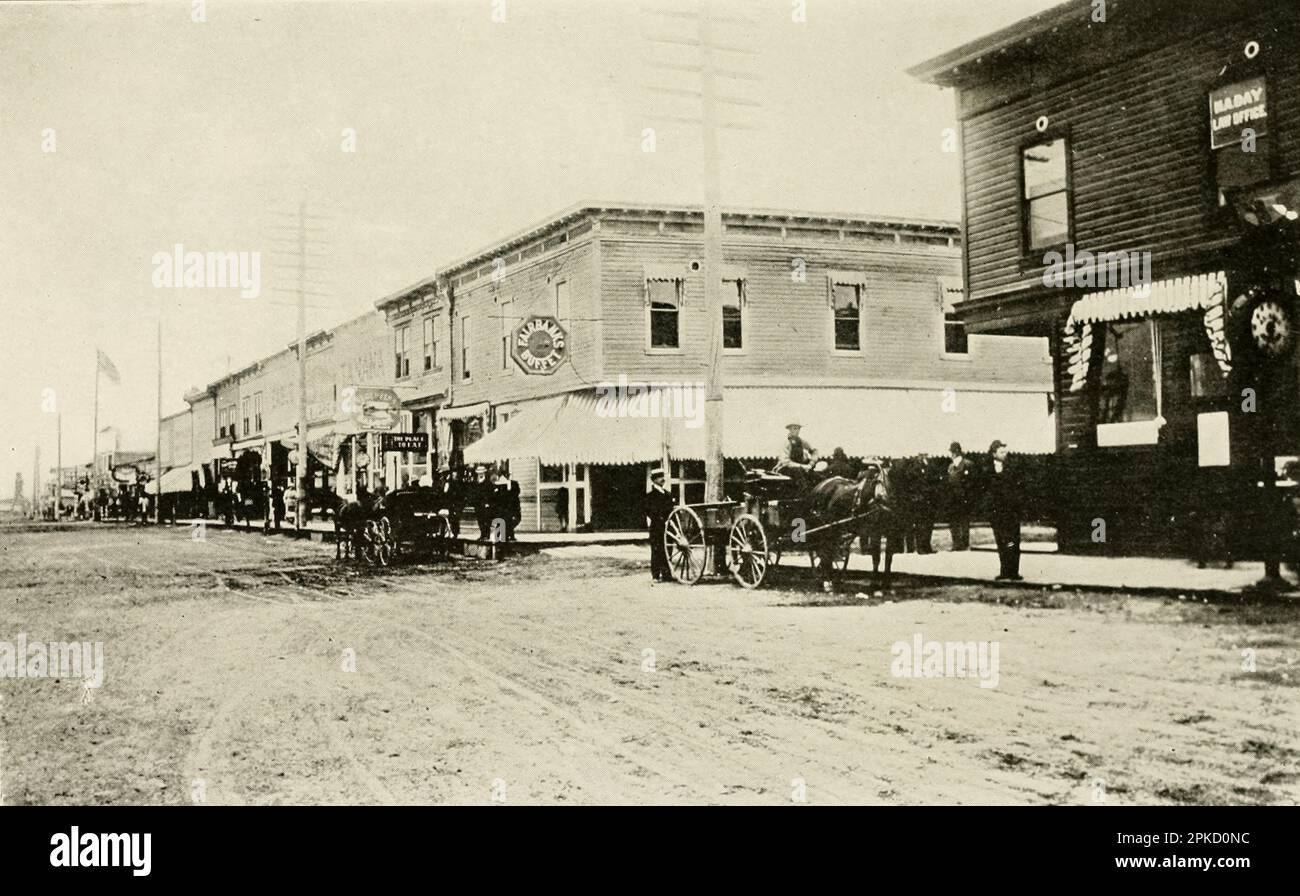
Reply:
x=157, y=483
x=712, y=101
x=300, y=480
x=296, y=241
x=713, y=485
x=36, y=485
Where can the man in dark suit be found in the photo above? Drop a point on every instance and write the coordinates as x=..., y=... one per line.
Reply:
x=484, y=503
x=1004, y=512
x=959, y=494
x=658, y=505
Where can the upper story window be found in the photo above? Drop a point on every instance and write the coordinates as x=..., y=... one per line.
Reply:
x=954, y=328
x=257, y=412
x=733, y=314
x=562, y=302
x=401, y=361
x=846, y=300
x=430, y=346
x=506, y=317
x=1045, y=205
x=664, y=306
x=245, y=405
x=464, y=348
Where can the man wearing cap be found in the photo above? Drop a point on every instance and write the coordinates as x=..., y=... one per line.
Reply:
x=1004, y=512
x=959, y=494
x=797, y=456
x=658, y=505
x=482, y=491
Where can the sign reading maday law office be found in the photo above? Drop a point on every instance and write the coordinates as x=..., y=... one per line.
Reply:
x=539, y=345
x=1235, y=107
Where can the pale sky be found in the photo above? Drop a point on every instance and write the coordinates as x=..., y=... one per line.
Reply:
x=168, y=131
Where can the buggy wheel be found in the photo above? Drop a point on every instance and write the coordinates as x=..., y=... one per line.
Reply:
x=747, y=555
x=685, y=545
x=370, y=543
x=385, y=544
x=441, y=537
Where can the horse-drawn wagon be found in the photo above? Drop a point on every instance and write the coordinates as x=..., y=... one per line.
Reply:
x=778, y=514
x=407, y=521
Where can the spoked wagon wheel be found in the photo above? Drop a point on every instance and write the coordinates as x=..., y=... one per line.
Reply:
x=370, y=543
x=685, y=545
x=385, y=546
x=747, y=555
x=440, y=538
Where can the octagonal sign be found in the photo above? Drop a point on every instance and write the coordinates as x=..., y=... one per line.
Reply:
x=539, y=345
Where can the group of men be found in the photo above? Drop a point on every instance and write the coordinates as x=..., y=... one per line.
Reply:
x=963, y=482
x=491, y=492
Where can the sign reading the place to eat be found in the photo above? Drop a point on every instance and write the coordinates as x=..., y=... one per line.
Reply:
x=539, y=345
x=1235, y=107
x=406, y=441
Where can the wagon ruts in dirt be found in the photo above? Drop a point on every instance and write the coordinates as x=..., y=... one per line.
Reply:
x=777, y=515
x=406, y=523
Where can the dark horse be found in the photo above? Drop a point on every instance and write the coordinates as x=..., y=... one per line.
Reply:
x=869, y=499
x=350, y=518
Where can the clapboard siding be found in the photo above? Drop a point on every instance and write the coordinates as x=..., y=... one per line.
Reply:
x=528, y=286
x=788, y=322
x=1138, y=131
x=1145, y=494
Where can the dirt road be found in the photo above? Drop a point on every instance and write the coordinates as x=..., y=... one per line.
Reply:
x=250, y=670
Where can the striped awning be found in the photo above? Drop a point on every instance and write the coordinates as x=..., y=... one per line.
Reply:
x=1162, y=297
x=582, y=429
x=571, y=429
x=1202, y=292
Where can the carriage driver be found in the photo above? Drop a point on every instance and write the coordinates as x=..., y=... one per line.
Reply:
x=797, y=456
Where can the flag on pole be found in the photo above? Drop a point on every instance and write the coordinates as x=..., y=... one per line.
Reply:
x=107, y=367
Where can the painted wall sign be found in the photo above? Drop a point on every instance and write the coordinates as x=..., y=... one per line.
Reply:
x=539, y=345
x=1235, y=107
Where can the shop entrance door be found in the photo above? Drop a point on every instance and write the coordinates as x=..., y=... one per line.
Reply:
x=618, y=497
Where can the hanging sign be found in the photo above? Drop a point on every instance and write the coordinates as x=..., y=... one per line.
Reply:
x=1235, y=107
x=372, y=408
x=405, y=441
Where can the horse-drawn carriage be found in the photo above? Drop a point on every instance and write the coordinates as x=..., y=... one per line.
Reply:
x=408, y=521
x=777, y=515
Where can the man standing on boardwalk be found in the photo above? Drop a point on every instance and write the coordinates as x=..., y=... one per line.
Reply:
x=959, y=488
x=658, y=505
x=1004, y=512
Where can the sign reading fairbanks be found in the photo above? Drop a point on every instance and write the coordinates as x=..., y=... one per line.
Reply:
x=539, y=345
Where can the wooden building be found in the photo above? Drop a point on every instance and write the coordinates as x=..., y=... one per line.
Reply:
x=841, y=323
x=1166, y=135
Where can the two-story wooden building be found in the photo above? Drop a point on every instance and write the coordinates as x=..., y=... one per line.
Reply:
x=1130, y=191
x=575, y=350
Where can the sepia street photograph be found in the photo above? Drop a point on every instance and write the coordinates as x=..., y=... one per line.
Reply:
x=628, y=403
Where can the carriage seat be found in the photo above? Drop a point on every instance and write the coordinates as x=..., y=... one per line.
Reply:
x=763, y=484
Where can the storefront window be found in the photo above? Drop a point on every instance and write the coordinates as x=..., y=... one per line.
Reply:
x=1128, y=373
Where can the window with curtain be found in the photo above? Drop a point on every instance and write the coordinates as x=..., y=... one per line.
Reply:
x=665, y=306
x=847, y=301
x=430, y=358
x=733, y=314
